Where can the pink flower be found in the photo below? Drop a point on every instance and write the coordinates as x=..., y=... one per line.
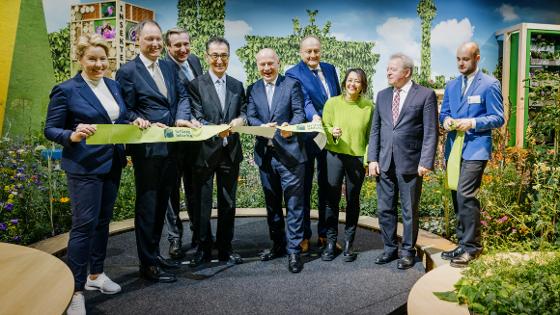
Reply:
x=483, y=222
x=503, y=219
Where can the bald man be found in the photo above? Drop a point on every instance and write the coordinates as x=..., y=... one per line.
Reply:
x=275, y=100
x=319, y=81
x=472, y=103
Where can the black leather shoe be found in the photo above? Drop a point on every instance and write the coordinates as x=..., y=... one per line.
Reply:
x=199, y=258
x=385, y=258
x=463, y=260
x=175, y=249
x=456, y=252
x=348, y=254
x=406, y=262
x=154, y=273
x=329, y=251
x=295, y=264
x=231, y=258
x=321, y=242
x=272, y=253
x=168, y=263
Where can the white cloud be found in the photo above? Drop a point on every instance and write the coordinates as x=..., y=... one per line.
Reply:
x=395, y=35
x=57, y=13
x=508, y=12
x=235, y=32
x=451, y=33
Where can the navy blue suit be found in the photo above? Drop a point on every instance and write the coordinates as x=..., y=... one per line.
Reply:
x=315, y=98
x=155, y=165
x=399, y=148
x=93, y=172
x=281, y=161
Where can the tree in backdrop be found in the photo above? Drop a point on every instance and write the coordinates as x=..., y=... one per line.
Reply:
x=203, y=19
x=342, y=54
x=59, y=42
x=426, y=10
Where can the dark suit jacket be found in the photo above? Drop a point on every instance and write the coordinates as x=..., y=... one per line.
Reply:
x=413, y=140
x=287, y=106
x=207, y=109
x=312, y=87
x=194, y=63
x=144, y=100
x=72, y=103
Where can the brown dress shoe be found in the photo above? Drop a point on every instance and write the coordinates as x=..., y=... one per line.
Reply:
x=304, y=246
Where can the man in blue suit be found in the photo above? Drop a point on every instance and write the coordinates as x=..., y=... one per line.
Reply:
x=472, y=103
x=188, y=67
x=319, y=81
x=402, y=149
x=277, y=100
x=151, y=90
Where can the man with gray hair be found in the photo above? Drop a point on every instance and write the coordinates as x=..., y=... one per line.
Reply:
x=402, y=148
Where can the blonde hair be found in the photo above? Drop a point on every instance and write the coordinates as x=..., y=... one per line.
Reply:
x=90, y=40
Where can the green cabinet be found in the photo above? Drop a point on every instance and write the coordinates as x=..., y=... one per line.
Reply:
x=529, y=51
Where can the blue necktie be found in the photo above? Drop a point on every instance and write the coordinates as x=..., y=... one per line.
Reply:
x=316, y=73
x=464, y=87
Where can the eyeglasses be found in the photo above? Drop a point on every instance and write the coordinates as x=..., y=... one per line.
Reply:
x=215, y=57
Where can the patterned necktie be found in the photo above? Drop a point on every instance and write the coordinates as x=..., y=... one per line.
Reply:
x=464, y=86
x=269, y=94
x=187, y=71
x=395, y=106
x=323, y=81
x=221, y=92
x=158, y=79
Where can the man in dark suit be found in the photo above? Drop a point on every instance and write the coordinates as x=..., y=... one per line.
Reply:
x=217, y=99
x=151, y=91
x=187, y=66
x=402, y=148
x=319, y=81
x=472, y=103
x=277, y=100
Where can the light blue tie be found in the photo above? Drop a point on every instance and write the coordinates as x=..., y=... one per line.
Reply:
x=187, y=71
x=269, y=94
x=465, y=83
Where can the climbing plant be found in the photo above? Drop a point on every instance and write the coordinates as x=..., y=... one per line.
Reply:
x=426, y=10
x=203, y=19
x=59, y=43
x=342, y=54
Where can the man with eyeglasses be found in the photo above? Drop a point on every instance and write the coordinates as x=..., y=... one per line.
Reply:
x=319, y=81
x=217, y=99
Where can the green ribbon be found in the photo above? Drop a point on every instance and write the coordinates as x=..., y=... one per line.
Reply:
x=131, y=134
x=454, y=161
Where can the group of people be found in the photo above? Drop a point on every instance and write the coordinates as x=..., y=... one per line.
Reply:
x=395, y=141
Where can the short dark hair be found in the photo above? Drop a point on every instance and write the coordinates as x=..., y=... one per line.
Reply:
x=217, y=40
x=143, y=23
x=363, y=77
x=175, y=30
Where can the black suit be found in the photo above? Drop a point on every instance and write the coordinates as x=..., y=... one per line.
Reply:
x=216, y=158
x=155, y=167
x=186, y=151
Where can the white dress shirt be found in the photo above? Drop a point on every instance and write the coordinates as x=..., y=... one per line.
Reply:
x=403, y=94
x=148, y=64
x=104, y=96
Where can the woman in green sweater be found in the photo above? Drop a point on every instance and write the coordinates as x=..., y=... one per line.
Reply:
x=347, y=120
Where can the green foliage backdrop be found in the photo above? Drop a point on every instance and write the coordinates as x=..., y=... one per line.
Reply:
x=59, y=42
x=427, y=12
x=342, y=54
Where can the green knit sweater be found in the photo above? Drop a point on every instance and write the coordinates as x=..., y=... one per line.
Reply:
x=354, y=118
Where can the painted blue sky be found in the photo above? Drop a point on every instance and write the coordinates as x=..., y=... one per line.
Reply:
x=393, y=25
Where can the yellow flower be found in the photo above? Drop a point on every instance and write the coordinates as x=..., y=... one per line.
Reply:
x=64, y=199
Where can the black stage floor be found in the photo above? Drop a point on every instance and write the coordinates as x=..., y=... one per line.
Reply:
x=255, y=287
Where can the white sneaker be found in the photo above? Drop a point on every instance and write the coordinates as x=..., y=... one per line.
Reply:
x=103, y=284
x=77, y=305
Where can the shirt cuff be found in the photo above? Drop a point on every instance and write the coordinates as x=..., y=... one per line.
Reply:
x=473, y=120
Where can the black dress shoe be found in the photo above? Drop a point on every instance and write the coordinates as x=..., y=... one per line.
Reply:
x=272, y=253
x=175, y=249
x=385, y=258
x=463, y=260
x=231, y=258
x=200, y=257
x=456, y=252
x=348, y=254
x=154, y=273
x=168, y=263
x=406, y=262
x=295, y=264
x=329, y=251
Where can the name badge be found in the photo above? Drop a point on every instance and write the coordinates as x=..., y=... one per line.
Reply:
x=475, y=99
